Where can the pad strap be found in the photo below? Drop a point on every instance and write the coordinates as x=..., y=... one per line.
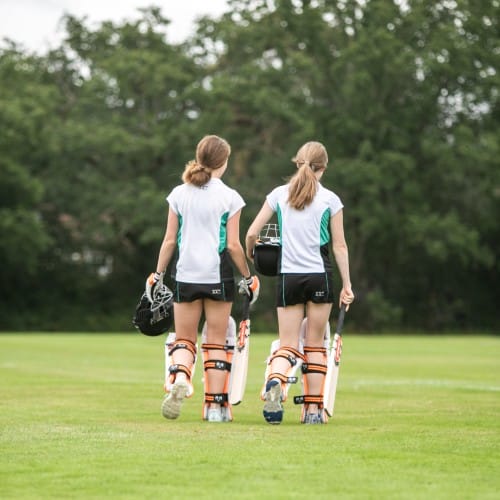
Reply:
x=216, y=347
x=221, y=398
x=217, y=364
x=180, y=368
x=322, y=350
x=309, y=398
x=283, y=378
x=184, y=344
x=289, y=353
x=314, y=368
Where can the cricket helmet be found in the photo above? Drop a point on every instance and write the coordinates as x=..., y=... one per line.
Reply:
x=155, y=318
x=267, y=251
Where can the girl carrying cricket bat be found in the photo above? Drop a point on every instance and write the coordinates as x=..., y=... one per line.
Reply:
x=201, y=238
x=310, y=219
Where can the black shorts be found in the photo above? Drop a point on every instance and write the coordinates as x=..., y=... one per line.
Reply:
x=295, y=289
x=189, y=292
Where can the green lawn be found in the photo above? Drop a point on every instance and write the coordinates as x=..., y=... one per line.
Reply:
x=416, y=417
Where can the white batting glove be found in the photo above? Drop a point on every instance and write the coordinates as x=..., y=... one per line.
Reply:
x=251, y=287
x=153, y=284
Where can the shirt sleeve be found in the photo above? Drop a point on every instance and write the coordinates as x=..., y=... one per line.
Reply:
x=172, y=200
x=237, y=203
x=273, y=197
x=335, y=204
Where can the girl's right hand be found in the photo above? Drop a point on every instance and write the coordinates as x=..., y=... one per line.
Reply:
x=346, y=297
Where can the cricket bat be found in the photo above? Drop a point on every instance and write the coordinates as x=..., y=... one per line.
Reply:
x=332, y=374
x=239, y=367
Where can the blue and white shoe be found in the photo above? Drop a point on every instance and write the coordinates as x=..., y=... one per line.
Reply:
x=273, y=408
x=313, y=418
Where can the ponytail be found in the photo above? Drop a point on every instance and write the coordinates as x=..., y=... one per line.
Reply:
x=302, y=187
x=310, y=158
x=195, y=174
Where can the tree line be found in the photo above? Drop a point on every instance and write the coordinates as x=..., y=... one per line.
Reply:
x=404, y=95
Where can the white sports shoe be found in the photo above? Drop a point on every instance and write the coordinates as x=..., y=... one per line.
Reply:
x=214, y=415
x=171, y=406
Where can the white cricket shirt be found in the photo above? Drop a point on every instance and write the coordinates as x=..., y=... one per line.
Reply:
x=203, y=213
x=304, y=232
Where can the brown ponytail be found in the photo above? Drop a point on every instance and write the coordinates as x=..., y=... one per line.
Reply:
x=212, y=153
x=302, y=188
x=195, y=174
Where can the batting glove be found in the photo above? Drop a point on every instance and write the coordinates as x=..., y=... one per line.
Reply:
x=153, y=284
x=250, y=287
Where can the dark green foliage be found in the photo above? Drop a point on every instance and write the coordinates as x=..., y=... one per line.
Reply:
x=96, y=133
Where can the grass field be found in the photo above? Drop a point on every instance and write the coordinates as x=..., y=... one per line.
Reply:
x=416, y=417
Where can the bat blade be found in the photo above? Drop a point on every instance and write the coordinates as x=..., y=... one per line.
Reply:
x=239, y=366
x=332, y=374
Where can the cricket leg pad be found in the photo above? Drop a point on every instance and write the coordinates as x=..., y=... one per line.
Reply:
x=173, y=350
x=224, y=411
x=315, y=368
x=275, y=345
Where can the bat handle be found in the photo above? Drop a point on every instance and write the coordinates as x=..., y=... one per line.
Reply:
x=340, y=321
x=246, y=307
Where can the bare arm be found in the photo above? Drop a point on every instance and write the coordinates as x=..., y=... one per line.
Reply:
x=341, y=254
x=234, y=246
x=265, y=213
x=169, y=243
